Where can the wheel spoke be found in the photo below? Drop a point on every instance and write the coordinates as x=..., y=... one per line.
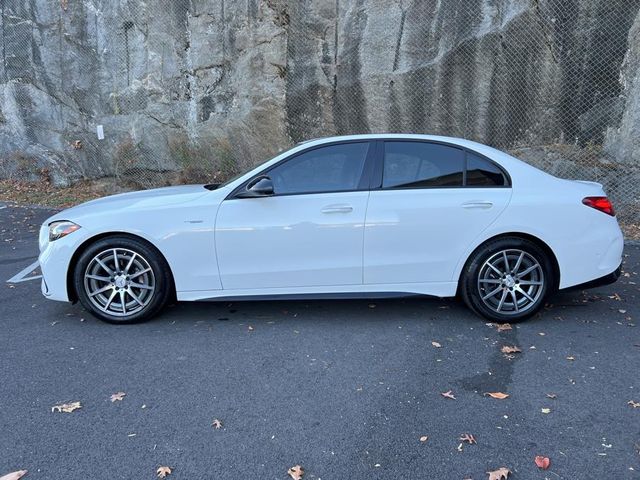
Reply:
x=141, y=285
x=515, y=300
x=126, y=269
x=100, y=290
x=123, y=302
x=137, y=274
x=492, y=281
x=98, y=277
x=491, y=294
x=529, y=282
x=490, y=265
x=517, y=267
x=504, y=296
x=506, y=261
x=528, y=270
x=113, y=294
x=115, y=260
x=526, y=295
x=135, y=297
x=104, y=266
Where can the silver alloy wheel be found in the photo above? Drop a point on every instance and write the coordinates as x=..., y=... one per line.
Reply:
x=120, y=282
x=511, y=282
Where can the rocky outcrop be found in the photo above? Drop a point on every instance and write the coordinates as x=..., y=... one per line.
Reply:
x=175, y=82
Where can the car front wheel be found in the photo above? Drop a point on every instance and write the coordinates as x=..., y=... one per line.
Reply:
x=507, y=280
x=122, y=280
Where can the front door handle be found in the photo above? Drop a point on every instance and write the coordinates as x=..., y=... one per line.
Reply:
x=340, y=208
x=477, y=204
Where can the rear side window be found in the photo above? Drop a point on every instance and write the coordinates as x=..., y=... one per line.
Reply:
x=422, y=164
x=483, y=173
x=332, y=168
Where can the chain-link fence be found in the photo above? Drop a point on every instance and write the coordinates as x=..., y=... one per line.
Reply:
x=147, y=93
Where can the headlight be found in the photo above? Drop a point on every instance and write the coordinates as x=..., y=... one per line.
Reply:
x=61, y=229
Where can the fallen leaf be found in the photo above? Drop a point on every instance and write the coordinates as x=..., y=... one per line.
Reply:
x=117, y=397
x=436, y=344
x=66, y=407
x=552, y=396
x=504, y=326
x=14, y=475
x=622, y=311
x=424, y=438
x=448, y=394
x=500, y=474
x=508, y=349
x=296, y=472
x=467, y=437
x=250, y=328
x=542, y=462
x=163, y=472
x=633, y=404
x=571, y=359
x=217, y=424
x=545, y=410
x=498, y=395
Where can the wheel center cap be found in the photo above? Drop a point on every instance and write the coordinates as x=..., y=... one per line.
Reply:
x=509, y=281
x=120, y=281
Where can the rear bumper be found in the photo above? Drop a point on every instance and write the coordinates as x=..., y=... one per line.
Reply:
x=598, y=282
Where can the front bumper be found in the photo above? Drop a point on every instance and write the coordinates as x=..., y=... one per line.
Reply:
x=599, y=282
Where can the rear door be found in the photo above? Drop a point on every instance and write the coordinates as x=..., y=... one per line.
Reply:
x=432, y=201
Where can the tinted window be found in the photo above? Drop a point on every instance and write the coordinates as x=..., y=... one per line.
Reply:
x=481, y=172
x=421, y=164
x=325, y=169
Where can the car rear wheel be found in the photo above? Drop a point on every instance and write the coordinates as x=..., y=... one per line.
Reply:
x=508, y=279
x=122, y=280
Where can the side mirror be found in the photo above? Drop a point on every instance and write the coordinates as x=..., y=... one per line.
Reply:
x=259, y=187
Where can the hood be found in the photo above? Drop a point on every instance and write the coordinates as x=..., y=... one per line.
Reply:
x=140, y=200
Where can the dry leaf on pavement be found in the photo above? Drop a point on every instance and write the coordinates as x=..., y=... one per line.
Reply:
x=498, y=395
x=571, y=359
x=163, y=472
x=500, y=474
x=14, y=475
x=448, y=394
x=504, y=326
x=117, y=397
x=467, y=437
x=436, y=344
x=424, y=438
x=545, y=410
x=508, y=349
x=633, y=404
x=553, y=396
x=542, y=462
x=217, y=424
x=296, y=472
x=66, y=407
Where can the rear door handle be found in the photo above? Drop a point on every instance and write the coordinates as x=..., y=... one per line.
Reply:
x=477, y=204
x=340, y=208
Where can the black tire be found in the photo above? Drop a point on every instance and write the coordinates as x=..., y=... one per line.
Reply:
x=508, y=304
x=144, y=303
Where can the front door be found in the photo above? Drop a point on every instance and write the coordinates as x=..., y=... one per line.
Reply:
x=308, y=233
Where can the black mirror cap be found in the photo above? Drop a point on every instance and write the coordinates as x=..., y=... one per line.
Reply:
x=259, y=187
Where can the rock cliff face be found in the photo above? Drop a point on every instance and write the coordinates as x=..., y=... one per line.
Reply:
x=240, y=80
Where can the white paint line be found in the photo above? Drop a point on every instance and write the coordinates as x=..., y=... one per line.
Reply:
x=22, y=275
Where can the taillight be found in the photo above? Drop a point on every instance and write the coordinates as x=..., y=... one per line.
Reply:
x=600, y=203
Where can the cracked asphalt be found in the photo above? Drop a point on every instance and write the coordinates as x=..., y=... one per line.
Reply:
x=343, y=388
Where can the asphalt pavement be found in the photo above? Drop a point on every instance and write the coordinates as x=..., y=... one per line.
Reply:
x=344, y=388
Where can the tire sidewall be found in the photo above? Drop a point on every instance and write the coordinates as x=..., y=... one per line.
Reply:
x=157, y=263
x=469, y=283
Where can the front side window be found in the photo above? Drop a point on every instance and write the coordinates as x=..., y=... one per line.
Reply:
x=422, y=164
x=332, y=168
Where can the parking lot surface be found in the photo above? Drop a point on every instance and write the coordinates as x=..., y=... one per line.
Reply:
x=344, y=388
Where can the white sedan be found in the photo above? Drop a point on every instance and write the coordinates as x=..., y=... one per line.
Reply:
x=354, y=216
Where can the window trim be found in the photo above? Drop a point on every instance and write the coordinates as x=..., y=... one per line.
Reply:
x=376, y=181
x=364, y=184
